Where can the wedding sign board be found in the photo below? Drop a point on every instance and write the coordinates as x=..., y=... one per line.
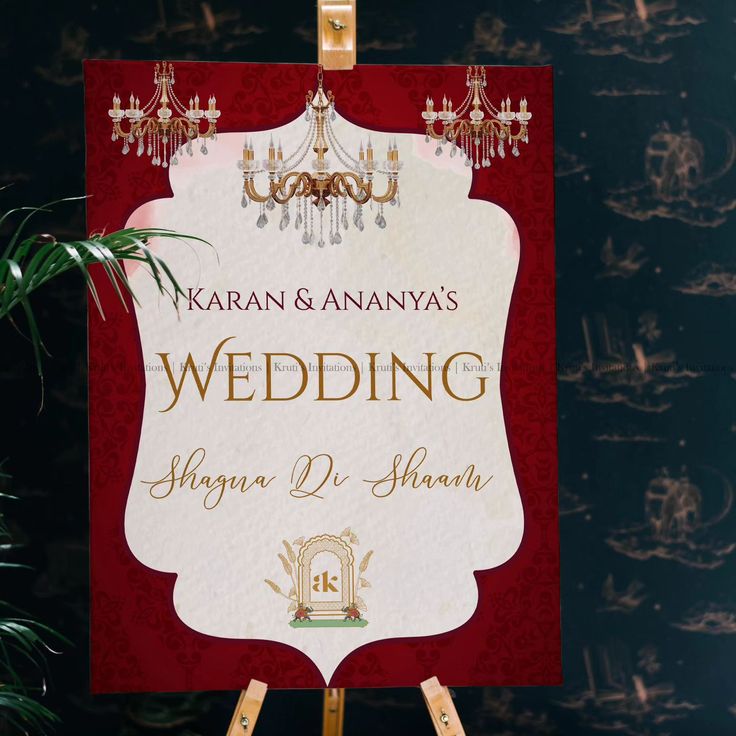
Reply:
x=335, y=463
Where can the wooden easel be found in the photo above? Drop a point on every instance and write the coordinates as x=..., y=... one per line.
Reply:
x=437, y=698
x=247, y=710
x=336, y=41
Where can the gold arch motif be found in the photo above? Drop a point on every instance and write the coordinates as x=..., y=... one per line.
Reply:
x=343, y=551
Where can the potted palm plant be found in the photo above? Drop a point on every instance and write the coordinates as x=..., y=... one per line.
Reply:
x=28, y=262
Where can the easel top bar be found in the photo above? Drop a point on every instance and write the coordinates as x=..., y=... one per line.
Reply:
x=247, y=710
x=441, y=709
x=336, y=33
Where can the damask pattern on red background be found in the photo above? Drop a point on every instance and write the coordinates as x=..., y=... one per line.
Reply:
x=513, y=638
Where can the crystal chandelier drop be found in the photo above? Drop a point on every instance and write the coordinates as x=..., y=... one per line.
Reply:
x=467, y=128
x=322, y=190
x=162, y=133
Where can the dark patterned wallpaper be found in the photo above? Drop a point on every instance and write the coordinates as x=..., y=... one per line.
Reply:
x=646, y=289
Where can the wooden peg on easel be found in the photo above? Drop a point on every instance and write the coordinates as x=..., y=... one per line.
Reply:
x=246, y=711
x=333, y=711
x=442, y=711
x=336, y=33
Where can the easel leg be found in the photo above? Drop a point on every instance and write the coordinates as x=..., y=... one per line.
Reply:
x=437, y=698
x=246, y=711
x=441, y=709
x=333, y=711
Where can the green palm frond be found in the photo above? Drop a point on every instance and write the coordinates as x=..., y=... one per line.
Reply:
x=4, y=531
x=24, y=646
x=25, y=713
x=29, y=262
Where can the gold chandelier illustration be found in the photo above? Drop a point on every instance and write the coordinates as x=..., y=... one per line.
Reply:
x=477, y=128
x=162, y=133
x=320, y=189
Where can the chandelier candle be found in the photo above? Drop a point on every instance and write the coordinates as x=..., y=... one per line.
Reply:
x=322, y=188
x=474, y=135
x=173, y=126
